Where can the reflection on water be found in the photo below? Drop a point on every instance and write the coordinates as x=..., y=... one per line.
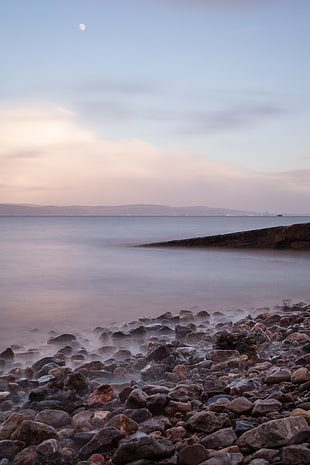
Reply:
x=60, y=273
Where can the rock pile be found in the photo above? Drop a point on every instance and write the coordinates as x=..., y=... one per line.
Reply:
x=185, y=389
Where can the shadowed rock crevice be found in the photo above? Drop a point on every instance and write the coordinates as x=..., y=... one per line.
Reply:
x=296, y=236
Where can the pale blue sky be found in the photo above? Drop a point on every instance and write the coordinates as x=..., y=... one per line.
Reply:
x=220, y=82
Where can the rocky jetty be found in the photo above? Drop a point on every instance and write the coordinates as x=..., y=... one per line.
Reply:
x=179, y=389
x=296, y=236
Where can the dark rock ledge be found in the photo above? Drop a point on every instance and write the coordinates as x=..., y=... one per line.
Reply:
x=296, y=236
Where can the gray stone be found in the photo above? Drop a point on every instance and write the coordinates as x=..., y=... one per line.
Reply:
x=33, y=432
x=145, y=447
x=264, y=406
x=297, y=454
x=50, y=451
x=136, y=399
x=207, y=422
x=279, y=376
x=219, y=439
x=192, y=455
x=55, y=418
x=273, y=433
x=185, y=392
x=239, y=405
x=9, y=448
x=104, y=440
x=62, y=339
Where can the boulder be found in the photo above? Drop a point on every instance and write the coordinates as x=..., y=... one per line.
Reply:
x=273, y=433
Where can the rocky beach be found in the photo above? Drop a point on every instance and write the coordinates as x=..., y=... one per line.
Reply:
x=188, y=388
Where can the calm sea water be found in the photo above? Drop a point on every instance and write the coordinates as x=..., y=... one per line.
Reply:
x=69, y=273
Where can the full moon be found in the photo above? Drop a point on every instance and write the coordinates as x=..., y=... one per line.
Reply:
x=82, y=27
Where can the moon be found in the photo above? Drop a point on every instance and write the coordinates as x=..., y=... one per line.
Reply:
x=82, y=27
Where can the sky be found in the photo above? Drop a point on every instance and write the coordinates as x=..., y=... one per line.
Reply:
x=175, y=102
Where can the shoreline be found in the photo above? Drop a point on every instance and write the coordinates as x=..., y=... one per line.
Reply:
x=186, y=388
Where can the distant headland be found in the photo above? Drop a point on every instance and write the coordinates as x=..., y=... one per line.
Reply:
x=122, y=210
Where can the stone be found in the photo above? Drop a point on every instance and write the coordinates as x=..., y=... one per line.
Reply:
x=52, y=417
x=185, y=392
x=81, y=421
x=27, y=456
x=273, y=433
x=125, y=424
x=50, y=451
x=9, y=448
x=156, y=403
x=98, y=458
x=104, y=440
x=300, y=412
x=159, y=423
x=33, y=432
x=279, y=376
x=260, y=461
x=220, y=458
x=102, y=394
x=140, y=415
x=297, y=454
x=300, y=375
x=219, y=439
x=239, y=405
x=145, y=447
x=11, y=424
x=176, y=434
x=7, y=355
x=39, y=364
x=221, y=355
x=173, y=407
x=207, y=422
x=192, y=455
x=158, y=353
x=62, y=339
x=136, y=399
x=263, y=407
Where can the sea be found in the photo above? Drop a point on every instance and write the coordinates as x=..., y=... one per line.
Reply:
x=75, y=273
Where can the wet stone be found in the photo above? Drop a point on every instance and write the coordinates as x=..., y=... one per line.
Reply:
x=192, y=455
x=136, y=399
x=32, y=432
x=62, y=339
x=7, y=355
x=207, y=422
x=279, y=376
x=125, y=424
x=273, y=433
x=55, y=418
x=102, y=394
x=104, y=440
x=145, y=447
x=219, y=439
x=264, y=407
x=297, y=454
x=9, y=448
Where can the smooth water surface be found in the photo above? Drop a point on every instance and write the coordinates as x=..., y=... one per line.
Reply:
x=67, y=273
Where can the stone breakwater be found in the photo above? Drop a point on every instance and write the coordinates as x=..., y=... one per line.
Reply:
x=296, y=237
x=186, y=389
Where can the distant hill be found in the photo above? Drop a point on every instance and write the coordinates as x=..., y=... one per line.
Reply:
x=119, y=210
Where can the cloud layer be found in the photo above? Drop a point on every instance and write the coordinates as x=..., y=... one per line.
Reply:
x=47, y=157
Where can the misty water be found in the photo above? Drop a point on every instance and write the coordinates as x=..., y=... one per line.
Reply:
x=74, y=273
